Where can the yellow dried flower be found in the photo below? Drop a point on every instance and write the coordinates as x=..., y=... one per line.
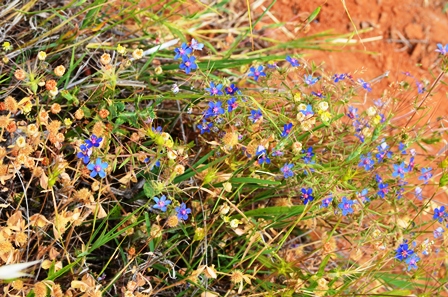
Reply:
x=20, y=238
x=11, y=104
x=84, y=195
x=32, y=129
x=60, y=137
x=20, y=74
x=98, y=129
x=42, y=55
x=323, y=106
x=79, y=114
x=172, y=221
x=137, y=54
x=172, y=155
x=17, y=284
x=6, y=246
x=297, y=147
x=21, y=159
x=21, y=142
x=54, y=127
x=55, y=108
x=59, y=70
x=158, y=70
x=179, y=169
x=12, y=127
x=5, y=59
x=156, y=231
x=54, y=92
x=50, y=84
x=2, y=152
x=40, y=289
x=57, y=291
x=105, y=59
x=4, y=121
x=104, y=113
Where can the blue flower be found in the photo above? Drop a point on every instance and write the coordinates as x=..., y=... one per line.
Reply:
x=439, y=214
x=346, y=206
x=307, y=159
x=338, y=77
x=308, y=111
x=403, y=251
x=366, y=162
x=182, y=212
x=402, y=148
x=411, y=164
x=204, y=127
x=378, y=178
x=352, y=112
x=264, y=159
x=412, y=261
x=97, y=168
x=420, y=87
x=426, y=174
x=382, y=189
x=287, y=170
x=438, y=232
x=84, y=154
x=443, y=50
x=214, y=109
x=365, y=85
x=261, y=154
x=256, y=73
x=232, y=104
x=255, y=115
x=294, y=62
x=307, y=195
x=157, y=130
x=182, y=51
x=214, y=90
x=309, y=80
x=363, y=196
x=317, y=94
x=378, y=103
x=196, y=45
x=418, y=193
x=326, y=202
x=383, y=152
x=93, y=141
x=400, y=170
x=161, y=203
x=230, y=90
x=277, y=153
x=286, y=129
x=188, y=64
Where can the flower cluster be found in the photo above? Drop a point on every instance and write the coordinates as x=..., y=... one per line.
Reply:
x=162, y=204
x=96, y=167
x=185, y=53
x=404, y=253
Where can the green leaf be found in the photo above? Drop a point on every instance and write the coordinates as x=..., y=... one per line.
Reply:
x=443, y=180
x=431, y=140
x=313, y=15
x=250, y=180
x=276, y=211
x=148, y=189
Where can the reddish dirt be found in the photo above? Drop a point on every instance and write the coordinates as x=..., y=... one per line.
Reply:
x=408, y=33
